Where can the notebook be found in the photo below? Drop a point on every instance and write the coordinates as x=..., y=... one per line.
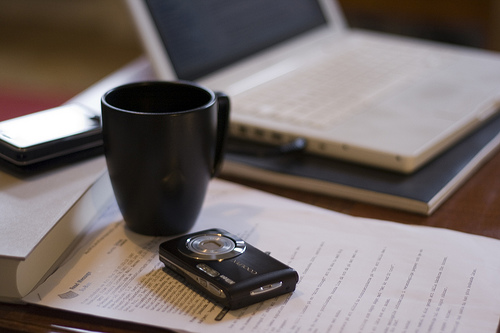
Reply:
x=292, y=68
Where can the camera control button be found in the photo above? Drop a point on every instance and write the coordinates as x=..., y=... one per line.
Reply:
x=216, y=291
x=207, y=270
x=203, y=283
x=266, y=288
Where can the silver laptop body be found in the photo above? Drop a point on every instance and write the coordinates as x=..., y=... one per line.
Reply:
x=293, y=69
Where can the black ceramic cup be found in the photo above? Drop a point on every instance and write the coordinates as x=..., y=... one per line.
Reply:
x=163, y=142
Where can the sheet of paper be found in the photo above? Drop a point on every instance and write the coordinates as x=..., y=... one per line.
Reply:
x=356, y=275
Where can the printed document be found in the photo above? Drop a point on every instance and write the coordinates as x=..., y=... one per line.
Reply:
x=356, y=274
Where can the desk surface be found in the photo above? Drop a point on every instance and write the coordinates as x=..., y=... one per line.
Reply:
x=474, y=208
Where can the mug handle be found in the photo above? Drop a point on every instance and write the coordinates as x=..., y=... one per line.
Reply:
x=222, y=131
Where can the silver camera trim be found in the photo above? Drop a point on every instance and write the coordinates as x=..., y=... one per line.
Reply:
x=230, y=246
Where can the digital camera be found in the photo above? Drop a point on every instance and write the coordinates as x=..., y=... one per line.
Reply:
x=231, y=272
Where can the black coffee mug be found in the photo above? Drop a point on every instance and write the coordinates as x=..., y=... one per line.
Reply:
x=163, y=143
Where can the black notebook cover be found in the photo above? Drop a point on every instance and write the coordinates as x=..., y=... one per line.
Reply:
x=422, y=191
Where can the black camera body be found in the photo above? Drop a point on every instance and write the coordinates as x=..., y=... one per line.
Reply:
x=231, y=272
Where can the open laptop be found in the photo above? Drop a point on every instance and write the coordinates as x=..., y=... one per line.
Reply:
x=384, y=101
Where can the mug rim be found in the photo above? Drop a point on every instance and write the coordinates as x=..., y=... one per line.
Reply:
x=159, y=83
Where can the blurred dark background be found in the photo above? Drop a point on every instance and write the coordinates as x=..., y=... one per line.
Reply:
x=468, y=22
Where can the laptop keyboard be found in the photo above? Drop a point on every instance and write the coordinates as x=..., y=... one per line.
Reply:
x=322, y=94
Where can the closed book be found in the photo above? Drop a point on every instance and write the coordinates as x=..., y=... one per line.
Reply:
x=42, y=216
x=44, y=209
x=420, y=192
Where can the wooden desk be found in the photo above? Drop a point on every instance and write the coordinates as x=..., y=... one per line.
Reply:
x=475, y=209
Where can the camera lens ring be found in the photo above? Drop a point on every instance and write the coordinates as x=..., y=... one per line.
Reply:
x=213, y=246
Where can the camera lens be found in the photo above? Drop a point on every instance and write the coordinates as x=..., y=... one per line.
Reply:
x=214, y=246
x=211, y=245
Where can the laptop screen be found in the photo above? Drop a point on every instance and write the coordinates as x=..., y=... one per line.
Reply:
x=202, y=36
